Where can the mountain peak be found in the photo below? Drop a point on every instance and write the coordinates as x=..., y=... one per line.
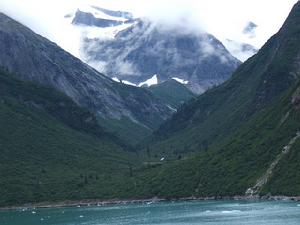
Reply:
x=148, y=48
x=88, y=19
x=120, y=14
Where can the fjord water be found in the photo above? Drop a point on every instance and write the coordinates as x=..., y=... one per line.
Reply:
x=164, y=213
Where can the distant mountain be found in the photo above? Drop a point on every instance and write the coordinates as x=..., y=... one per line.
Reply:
x=34, y=58
x=135, y=50
x=83, y=18
x=120, y=14
x=146, y=49
x=107, y=18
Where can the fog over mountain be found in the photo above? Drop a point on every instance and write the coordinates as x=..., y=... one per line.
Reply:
x=142, y=52
x=47, y=17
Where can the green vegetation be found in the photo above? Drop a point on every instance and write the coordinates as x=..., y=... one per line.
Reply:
x=128, y=131
x=286, y=177
x=233, y=166
x=218, y=144
x=50, y=149
x=172, y=93
x=236, y=129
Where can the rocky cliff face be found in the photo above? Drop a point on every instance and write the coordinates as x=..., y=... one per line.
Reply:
x=32, y=57
x=146, y=49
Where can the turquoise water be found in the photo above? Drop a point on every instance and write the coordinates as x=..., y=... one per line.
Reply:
x=165, y=213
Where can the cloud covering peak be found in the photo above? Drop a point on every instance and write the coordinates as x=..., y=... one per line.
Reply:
x=223, y=19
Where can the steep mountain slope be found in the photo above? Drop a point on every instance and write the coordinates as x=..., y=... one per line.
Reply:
x=237, y=165
x=51, y=149
x=247, y=130
x=146, y=48
x=34, y=58
x=215, y=115
x=172, y=93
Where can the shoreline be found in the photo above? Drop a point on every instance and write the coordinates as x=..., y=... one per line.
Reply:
x=99, y=202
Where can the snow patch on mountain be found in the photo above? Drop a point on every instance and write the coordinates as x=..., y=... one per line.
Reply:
x=182, y=81
x=123, y=81
x=116, y=79
x=92, y=32
x=128, y=83
x=99, y=13
x=152, y=81
x=102, y=33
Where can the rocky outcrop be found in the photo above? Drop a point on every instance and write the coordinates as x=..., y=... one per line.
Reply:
x=263, y=180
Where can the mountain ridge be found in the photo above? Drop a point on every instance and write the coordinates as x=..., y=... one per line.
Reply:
x=34, y=58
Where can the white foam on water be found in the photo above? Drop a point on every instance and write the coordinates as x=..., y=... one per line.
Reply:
x=231, y=211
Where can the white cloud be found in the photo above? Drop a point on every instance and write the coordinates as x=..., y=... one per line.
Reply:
x=224, y=19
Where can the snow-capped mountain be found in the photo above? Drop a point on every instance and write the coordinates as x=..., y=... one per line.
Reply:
x=137, y=51
x=95, y=22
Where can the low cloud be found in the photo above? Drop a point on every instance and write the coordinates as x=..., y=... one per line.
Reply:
x=224, y=19
x=250, y=30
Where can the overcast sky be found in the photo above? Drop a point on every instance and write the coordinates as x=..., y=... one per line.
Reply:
x=222, y=18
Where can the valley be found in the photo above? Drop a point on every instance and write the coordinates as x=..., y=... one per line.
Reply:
x=150, y=113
